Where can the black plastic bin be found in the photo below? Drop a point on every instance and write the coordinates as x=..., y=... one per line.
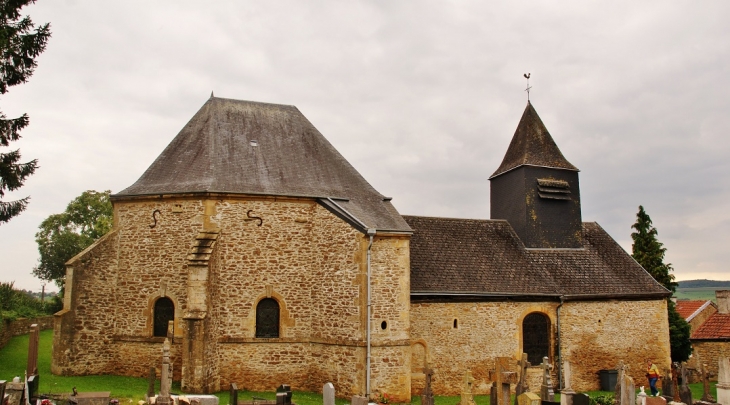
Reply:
x=608, y=379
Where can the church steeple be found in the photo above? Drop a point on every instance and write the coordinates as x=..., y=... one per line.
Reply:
x=536, y=189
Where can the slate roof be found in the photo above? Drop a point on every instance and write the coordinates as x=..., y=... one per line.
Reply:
x=532, y=145
x=452, y=257
x=716, y=327
x=244, y=147
x=688, y=309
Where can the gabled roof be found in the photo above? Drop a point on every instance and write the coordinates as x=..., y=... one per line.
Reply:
x=532, y=145
x=244, y=147
x=688, y=309
x=452, y=257
x=716, y=327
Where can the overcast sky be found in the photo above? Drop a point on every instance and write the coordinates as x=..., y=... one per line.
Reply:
x=422, y=97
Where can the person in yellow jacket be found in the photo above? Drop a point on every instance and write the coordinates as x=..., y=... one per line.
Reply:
x=652, y=373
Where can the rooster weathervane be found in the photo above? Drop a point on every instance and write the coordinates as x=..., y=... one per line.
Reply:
x=527, y=76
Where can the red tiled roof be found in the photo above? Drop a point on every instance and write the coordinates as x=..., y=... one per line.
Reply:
x=716, y=326
x=688, y=308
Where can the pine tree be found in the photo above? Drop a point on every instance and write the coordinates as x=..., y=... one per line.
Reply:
x=20, y=43
x=649, y=253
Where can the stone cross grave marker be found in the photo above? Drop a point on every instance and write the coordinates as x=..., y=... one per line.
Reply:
x=164, y=397
x=233, y=394
x=427, y=394
x=501, y=378
x=625, y=388
x=466, y=396
x=641, y=397
x=706, y=375
x=723, y=380
x=546, y=389
x=32, y=366
x=567, y=393
x=328, y=394
x=522, y=385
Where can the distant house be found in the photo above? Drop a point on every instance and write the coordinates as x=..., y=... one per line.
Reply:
x=712, y=338
x=695, y=312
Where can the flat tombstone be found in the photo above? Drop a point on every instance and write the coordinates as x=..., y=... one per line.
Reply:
x=15, y=390
x=359, y=400
x=581, y=399
x=656, y=401
x=328, y=394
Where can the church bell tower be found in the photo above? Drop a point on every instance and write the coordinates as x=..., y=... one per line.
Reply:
x=536, y=189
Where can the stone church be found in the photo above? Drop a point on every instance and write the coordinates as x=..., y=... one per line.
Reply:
x=269, y=259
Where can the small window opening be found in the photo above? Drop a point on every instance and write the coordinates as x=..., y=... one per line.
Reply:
x=456, y=323
x=383, y=325
x=164, y=313
x=267, y=318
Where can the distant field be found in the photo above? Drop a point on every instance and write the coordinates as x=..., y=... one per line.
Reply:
x=696, y=293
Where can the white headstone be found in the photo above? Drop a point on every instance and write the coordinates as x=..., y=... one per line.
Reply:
x=641, y=397
x=723, y=381
x=328, y=394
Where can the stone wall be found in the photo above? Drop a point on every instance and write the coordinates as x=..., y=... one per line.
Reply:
x=709, y=352
x=307, y=259
x=21, y=326
x=594, y=336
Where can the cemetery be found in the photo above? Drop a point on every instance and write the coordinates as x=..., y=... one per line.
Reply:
x=508, y=387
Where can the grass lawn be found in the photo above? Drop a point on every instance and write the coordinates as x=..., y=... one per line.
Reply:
x=13, y=359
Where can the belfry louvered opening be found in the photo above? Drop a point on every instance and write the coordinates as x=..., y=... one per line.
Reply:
x=553, y=189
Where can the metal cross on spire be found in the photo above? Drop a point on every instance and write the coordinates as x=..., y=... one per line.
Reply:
x=527, y=76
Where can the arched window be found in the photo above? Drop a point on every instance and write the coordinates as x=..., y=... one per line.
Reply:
x=267, y=318
x=536, y=337
x=164, y=313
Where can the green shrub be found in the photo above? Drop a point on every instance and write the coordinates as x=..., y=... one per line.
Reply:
x=607, y=399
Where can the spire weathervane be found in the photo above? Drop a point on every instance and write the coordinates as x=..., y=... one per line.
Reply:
x=527, y=76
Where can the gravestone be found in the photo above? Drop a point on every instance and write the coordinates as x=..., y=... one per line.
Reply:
x=581, y=399
x=427, y=394
x=92, y=398
x=32, y=365
x=567, y=393
x=233, y=394
x=685, y=394
x=2, y=391
x=286, y=390
x=546, y=389
x=32, y=383
x=655, y=401
x=667, y=388
x=501, y=379
x=164, y=397
x=723, y=381
x=675, y=386
x=522, y=385
x=641, y=397
x=528, y=398
x=151, y=379
x=706, y=396
x=625, y=389
x=359, y=400
x=15, y=391
x=466, y=396
x=328, y=394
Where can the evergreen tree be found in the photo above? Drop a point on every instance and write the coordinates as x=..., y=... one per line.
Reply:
x=20, y=43
x=649, y=253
